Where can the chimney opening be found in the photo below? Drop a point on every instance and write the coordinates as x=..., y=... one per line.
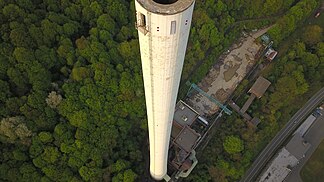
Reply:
x=165, y=1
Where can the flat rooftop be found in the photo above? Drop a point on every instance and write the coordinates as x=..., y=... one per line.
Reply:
x=259, y=87
x=303, y=128
x=187, y=139
x=271, y=54
x=184, y=114
x=297, y=146
x=176, y=129
x=280, y=167
x=166, y=7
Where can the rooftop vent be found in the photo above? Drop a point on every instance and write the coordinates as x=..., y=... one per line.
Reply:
x=181, y=106
x=184, y=118
x=165, y=1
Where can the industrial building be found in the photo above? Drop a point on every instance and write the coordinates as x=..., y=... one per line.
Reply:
x=187, y=131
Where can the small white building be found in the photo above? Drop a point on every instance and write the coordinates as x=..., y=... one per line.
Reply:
x=271, y=54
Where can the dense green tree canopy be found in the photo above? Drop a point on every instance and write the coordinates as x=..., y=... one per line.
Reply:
x=313, y=34
x=233, y=144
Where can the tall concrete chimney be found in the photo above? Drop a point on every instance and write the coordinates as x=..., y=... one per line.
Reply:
x=163, y=29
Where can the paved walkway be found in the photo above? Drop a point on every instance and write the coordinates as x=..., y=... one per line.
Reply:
x=314, y=136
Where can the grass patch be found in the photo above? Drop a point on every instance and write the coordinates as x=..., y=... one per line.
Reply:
x=313, y=170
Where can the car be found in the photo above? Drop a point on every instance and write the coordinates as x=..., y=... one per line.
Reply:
x=316, y=115
x=318, y=110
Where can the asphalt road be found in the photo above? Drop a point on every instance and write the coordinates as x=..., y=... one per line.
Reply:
x=281, y=136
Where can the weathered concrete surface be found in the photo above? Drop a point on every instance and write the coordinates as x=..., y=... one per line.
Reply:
x=227, y=73
x=163, y=41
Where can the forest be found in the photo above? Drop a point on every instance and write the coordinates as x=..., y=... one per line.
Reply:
x=72, y=105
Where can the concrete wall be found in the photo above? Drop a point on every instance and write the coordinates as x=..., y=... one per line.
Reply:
x=162, y=54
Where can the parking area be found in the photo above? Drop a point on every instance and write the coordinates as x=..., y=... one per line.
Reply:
x=314, y=136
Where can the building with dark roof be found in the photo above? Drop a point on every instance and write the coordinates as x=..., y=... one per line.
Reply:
x=185, y=138
x=184, y=114
x=259, y=87
x=257, y=90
